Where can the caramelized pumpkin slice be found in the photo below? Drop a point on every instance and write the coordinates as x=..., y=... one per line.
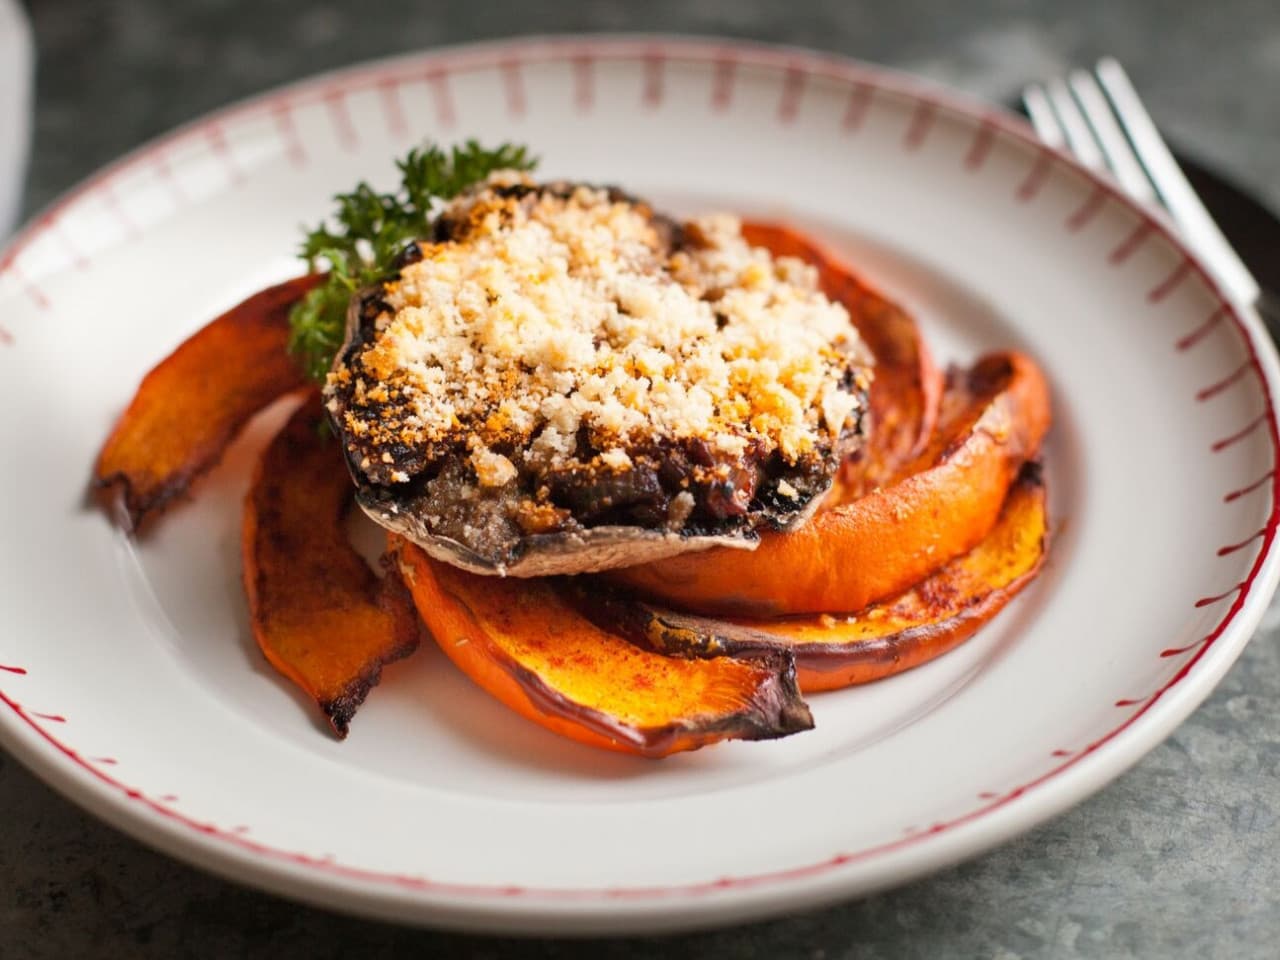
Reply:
x=931, y=618
x=936, y=615
x=526, y=645
x=880, y=544
x=320, y=615
x=189, y=408
x=907, y=387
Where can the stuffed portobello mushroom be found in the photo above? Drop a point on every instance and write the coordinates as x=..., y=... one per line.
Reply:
x=559, y=380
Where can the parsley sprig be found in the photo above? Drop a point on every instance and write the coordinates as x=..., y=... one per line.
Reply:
x=370, y=230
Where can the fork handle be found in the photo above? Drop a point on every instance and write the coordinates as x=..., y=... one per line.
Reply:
x=1184, y=206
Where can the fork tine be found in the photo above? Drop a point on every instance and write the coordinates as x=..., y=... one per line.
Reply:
x=1172, y=185
x=1080, y=138
x=1115, y=145
x=1042, y=118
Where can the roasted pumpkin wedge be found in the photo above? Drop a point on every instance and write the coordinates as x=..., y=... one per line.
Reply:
x=523, y=642
x=936, y=615
x=905, y=394
x=189, y=408
x=319, y=614
x=880, y=544
x=931, y=618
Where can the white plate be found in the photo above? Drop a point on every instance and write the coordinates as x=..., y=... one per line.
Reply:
x=129, y=678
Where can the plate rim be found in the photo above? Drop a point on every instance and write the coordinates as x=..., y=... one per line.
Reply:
x=722, y=899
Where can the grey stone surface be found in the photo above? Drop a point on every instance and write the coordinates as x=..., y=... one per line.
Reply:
x=1178, y=858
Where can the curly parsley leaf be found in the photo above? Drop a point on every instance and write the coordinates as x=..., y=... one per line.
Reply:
x=369, y=230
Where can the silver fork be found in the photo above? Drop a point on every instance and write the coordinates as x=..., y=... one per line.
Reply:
x=1098, y=117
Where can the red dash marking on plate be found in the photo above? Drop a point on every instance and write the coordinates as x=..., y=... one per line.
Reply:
x=513, y=86
x=165, y=172
x=789, y=100
x=654, y=65
x=921, y=124
x=10, y=265
x=335, y=102
x=1131, y=702
x=289, y=134
x=1035, y=179
x=240, y=828
x=584, y=83
x=37, y=295
x=1170, y=283
x=1257, y=484
x=855, y=111
x=20, y=671
x=1176, y=651
x=217, y=138
x=439, y=81
x=6, y=338
x=1129, y=246
x=1236, y=376
x=51, y=717
x=392, y=109
x=722, y=84
x=1239, y=435
x=1081, y=216
x=1233, y=547
x=980, y=148
x=1061, y=753
x=112, y=202
x=169, y=798
x=106, y=761
x=987, y=795
x=1202, y=331
x=49, y=224
x=1209, y=601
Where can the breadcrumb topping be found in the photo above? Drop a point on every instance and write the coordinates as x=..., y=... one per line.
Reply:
x=566, y=326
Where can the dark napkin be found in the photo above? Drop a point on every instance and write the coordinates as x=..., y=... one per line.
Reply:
x=1253, y=230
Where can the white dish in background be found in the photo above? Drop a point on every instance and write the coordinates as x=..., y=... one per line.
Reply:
x=17, y=58
x=129, y=679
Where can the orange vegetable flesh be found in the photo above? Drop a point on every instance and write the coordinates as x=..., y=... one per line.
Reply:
x=936, y=615
x=931, y=618
x=523, y=643
x=904, y=397
x=878, y=545
x=320, y=615
x=190, y=407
